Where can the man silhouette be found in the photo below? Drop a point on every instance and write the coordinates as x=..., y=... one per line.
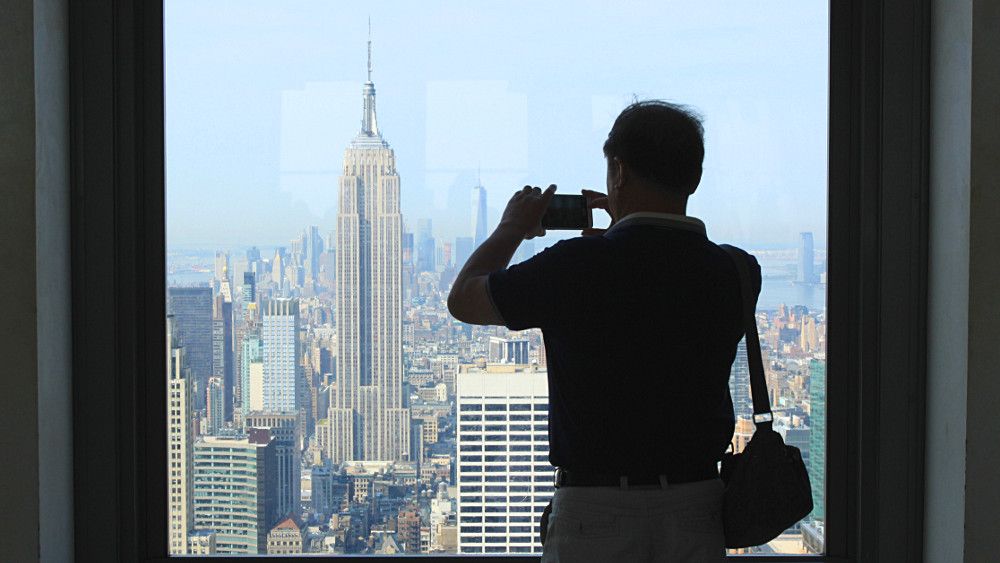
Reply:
x=641, y=324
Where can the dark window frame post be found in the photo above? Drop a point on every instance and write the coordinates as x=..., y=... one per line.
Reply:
x=876, y=302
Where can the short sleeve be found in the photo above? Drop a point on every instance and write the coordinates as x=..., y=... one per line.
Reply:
x=527, y=295
x=755, y=275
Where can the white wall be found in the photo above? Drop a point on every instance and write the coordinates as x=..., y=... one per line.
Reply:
x=963, y=380
x=35, y=408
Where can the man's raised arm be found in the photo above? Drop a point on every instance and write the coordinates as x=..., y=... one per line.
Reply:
x=469, y=300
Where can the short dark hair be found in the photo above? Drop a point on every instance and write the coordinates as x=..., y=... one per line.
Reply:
x=661, y=142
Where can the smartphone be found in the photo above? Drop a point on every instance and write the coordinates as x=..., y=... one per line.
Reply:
x=567, y=212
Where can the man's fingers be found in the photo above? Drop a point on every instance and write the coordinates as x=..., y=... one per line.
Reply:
x=549, y=192
x=592, y=232
x=595, y=200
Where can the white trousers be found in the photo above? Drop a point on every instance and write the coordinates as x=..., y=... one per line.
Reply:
x=676, y=524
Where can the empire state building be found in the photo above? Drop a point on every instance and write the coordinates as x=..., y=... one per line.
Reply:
x=367, y=418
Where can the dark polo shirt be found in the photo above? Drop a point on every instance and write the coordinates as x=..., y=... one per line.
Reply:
x=640, y=327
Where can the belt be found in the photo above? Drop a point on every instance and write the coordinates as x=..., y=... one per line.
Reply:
x=573, y=478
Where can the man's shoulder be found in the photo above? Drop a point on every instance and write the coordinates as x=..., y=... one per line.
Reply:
x=749, y=259
x=741, y=253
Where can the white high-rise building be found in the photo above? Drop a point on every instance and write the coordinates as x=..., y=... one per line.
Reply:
x=504, y=477
x=367, y=418
x=279, y=333
x=180, y=444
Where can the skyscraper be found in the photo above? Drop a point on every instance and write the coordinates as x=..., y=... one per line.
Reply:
x=235, y=490
x=446, y=255
x=407, y=249
x=191, y=308
x=313, y=249
x=246, y=347
x=503, y=476
x=278, y=267
x=739, y=384
x=221, y=265
x=817, y=435
x=214, y=410
x=425, y=246
x=249, y=292
x=180, y=444
x=222, y=343
x=367, y=417
x=478, y=215
x=253, y=256
x=251, y=353
x=463, y=249
x=280, y=340
x=287, y=431
x=805, y=271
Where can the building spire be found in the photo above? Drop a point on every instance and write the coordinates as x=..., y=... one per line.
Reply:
x=369, y=123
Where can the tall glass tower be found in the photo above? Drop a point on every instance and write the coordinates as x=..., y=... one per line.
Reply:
x=191, y=308
x=805, y=270
x=817, y=436
x=478, y=215
x=367, y=417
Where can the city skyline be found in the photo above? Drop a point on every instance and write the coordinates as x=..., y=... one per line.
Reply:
x=506, y=106
x=329, y=403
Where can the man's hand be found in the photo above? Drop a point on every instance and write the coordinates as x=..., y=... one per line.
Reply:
x=469, y=300
x=595, y=200
x=523, y=215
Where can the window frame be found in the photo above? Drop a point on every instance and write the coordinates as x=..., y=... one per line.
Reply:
x=878, y=201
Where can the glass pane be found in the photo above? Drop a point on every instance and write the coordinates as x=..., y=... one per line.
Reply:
x=321, y=399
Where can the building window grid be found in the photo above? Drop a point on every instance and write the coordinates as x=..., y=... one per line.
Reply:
x=505, y=442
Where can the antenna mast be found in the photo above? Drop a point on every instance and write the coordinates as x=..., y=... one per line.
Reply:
x=369, y=49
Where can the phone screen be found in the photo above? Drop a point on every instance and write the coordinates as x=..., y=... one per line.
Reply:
x=567, y=212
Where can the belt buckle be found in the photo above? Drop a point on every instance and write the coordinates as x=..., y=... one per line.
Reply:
x=557, y=477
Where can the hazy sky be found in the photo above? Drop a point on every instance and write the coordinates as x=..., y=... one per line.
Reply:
x=263, y=97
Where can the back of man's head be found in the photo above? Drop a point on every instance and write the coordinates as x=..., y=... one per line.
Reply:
x=660, y=142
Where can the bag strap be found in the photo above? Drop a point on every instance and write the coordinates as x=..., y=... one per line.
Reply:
x=758, y=385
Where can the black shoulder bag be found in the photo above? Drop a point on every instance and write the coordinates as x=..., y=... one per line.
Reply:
x=767, y=485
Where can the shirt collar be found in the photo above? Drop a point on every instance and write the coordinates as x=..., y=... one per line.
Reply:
x=670, y=220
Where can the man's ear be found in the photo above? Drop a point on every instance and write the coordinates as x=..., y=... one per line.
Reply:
x=621, y=173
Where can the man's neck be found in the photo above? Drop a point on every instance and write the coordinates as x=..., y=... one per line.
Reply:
x=673, y=206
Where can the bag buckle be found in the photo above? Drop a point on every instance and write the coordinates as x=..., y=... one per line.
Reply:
x=763, y=417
